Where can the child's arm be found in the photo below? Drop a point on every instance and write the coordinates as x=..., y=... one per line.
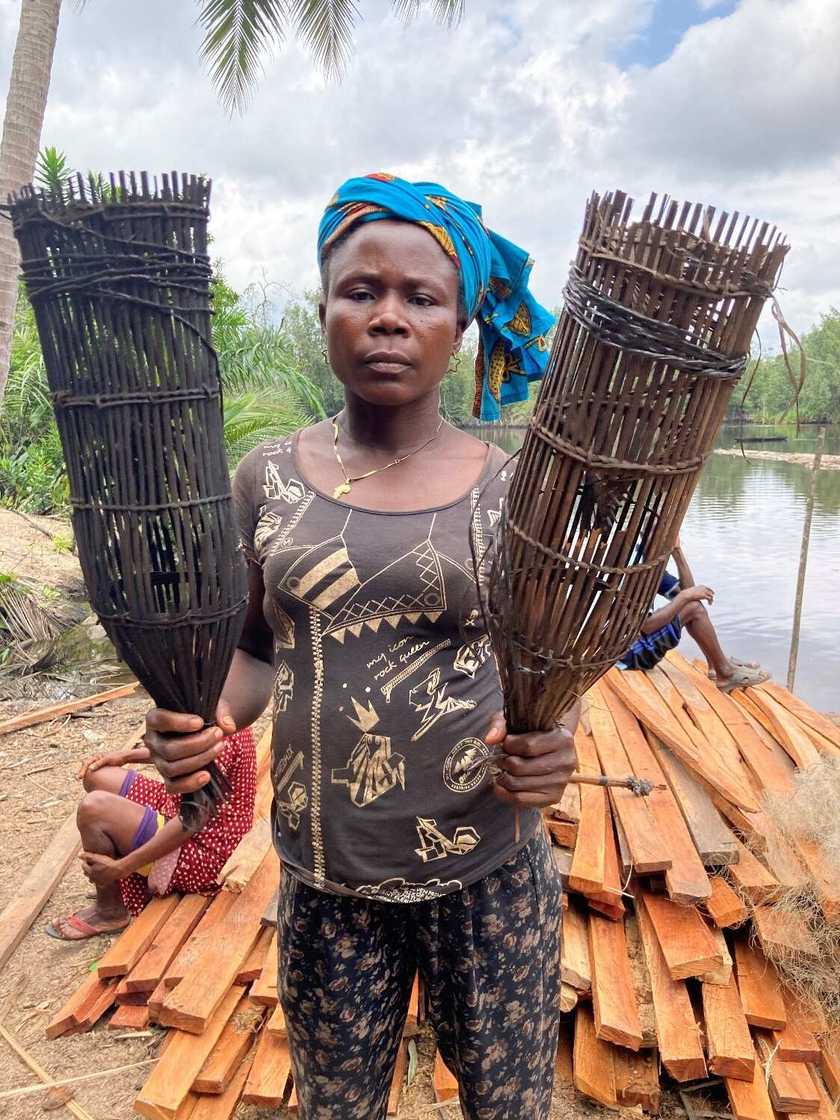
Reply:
x=103, y=870
x=113, y=758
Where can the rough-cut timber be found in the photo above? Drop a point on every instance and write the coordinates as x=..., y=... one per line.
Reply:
x=173, y=1076
x=724, y=906
x=574, y=953
x=613, y=993
x=676, y=1026
x=235, y=1041
x=686, y=941
x=749, y=1099
x=444, y=1082
x=136, y=938
x=270, y=1071
x=728, y=1042
x=791, y=1086
x=152, y=966
x=637, y=1079
x=66, y=708
x=223, y=1105
x=588, y=869
x=593, y=1061
x=759, y=988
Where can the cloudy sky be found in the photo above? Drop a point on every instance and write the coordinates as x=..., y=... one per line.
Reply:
x=526, y=107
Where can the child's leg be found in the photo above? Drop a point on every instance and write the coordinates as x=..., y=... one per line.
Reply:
x=110, y=778
x=108, y=824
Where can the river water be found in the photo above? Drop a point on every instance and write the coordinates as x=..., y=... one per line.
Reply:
x=742, y=537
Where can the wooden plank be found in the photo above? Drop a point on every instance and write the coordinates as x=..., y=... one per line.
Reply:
x=568, y=807
x=172, y=1077
x=588, y=863
x=444, y=1082
x=65, y=1020
x=56, y=711
x=156, y=999
x=686, y=941
x=686, y=880
x=125, y=998
x=574, y=953
x=796, y=1042
x=676, y=1027
x=568, y=998
x=235, y=1041
x=786, y=730
x=269, y=1073
x=649, y=849
x=129, y=1017
x=749, y=1100
x=152, y=966
x=648, y=706
x=724, y=906
x=759, y=988
x=637, y=1080
x=246, y=857
x=264, y=989
x=827, y=1108
x=830, y=1065
x=255, y=960
x=412, y=1019
x=722, y=973
x=729, y=1045
x=613, y=993
x=825, y=874
x=791, y=1086
x=641, y=981
x=594, y=1063
x=563, y=833
x=191, y=1004
x=277, y=1022
x=223, y=1105
x=397, y=1080
x=564, y=1069
x=292, y=1104
x=32, y=894
x=205, y=933
x=782, y=933
x=712, y=837
x=136, y=938
x=751, y=878
x=803, y=712
x=92, y=1012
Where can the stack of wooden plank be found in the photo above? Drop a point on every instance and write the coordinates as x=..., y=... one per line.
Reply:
x=668, y=925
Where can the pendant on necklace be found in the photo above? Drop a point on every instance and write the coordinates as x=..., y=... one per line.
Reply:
x=341, y=489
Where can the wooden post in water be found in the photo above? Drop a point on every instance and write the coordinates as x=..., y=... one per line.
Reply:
x=803, y=561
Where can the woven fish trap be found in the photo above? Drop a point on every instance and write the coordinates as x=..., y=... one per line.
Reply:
x=119, y=279
x=654, y=334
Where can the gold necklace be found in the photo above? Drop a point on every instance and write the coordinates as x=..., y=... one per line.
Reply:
x=344, y=487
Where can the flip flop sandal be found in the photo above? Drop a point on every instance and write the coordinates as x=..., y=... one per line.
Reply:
x=712, y=675
x=743, y=677
x=74, y=928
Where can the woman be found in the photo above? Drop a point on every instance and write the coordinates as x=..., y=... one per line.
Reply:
x=400, y=848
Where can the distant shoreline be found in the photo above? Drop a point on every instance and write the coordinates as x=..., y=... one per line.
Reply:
x=801, y=459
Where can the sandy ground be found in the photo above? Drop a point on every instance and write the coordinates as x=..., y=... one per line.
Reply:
x=829, y=462
x=38, y=791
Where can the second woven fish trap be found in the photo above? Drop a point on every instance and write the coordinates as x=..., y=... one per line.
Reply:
x=119, y=279
x=654, y=334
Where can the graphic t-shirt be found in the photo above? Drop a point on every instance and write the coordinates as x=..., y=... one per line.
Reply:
x=384, y=684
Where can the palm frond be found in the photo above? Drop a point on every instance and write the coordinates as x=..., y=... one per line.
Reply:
x=252, y=418
x=448, y=12
x=327, y=27
x=237, y=35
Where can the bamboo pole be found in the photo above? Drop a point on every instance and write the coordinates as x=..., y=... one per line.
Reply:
x=803, y=561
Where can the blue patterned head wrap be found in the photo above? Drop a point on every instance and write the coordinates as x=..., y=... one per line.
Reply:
x=493, y=272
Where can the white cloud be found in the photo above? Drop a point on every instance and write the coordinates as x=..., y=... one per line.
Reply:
x=523, y=108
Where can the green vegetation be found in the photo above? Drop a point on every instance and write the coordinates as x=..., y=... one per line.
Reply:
x=771, y=394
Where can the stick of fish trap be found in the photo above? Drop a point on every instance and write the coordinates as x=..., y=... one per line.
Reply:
x=642, y=787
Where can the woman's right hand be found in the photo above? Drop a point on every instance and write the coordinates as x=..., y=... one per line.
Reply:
x=180, y=745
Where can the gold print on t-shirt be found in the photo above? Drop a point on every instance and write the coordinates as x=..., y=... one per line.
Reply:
x=471, y=656
x=371, y=769
x=277, y=487
x=429, y=697
x=291, y=796
x=434, y=845
x=284, y=687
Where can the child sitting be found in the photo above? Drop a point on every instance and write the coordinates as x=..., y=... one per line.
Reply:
x=134, y=845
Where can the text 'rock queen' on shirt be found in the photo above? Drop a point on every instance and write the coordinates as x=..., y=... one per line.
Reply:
x=384, y=686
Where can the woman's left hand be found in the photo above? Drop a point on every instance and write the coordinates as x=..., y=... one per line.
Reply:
x=101, y=870
x=537, y=764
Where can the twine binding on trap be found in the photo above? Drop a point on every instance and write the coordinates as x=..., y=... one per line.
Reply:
x=653, y=337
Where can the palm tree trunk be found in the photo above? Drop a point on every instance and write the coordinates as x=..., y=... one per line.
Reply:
x=27, y=99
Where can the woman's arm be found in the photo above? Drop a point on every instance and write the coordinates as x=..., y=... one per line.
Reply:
x=683, y=571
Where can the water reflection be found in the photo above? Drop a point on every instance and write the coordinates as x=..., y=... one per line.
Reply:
x=742, y=535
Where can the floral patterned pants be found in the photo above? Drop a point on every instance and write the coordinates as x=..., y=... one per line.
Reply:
x=490, y=957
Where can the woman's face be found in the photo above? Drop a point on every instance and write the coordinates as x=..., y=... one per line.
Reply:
x=390, y=312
